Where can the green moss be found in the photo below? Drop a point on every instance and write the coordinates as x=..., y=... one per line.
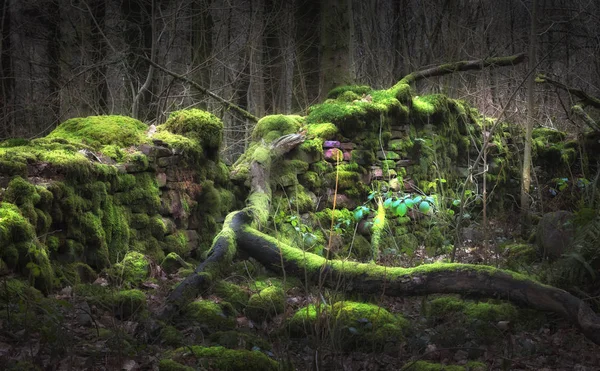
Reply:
x=203, y=127
x=116, y=229
x=402, y=92
x=214, y=316
x=266, y=304
x=177, y=243
x=358, y=90
x=191, y=148
x=132, y=270
x=305, y=319
x=310, y=179
x=232, y=293
x=74, y=273
x=21, y=251
x=172, y=262
x=324, y=131
x=239, y=340
x=170, y=365
x=272, y=127
x=169, y=335
x=129, y=303
x=219, y=358
x=362, y=324
x=98, y=131
x=314, y=146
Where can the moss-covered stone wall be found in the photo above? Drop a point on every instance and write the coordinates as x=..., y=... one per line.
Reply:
x=98, y=189
x=412, y=154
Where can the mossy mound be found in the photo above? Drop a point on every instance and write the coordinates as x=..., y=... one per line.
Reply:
x=199, y=125
x=129, y=303
x=272, y=127
x=304, y=321
x=355, y=325
x=367, y=325
x=20, y=250
x=131, y=271
x=458, y=320
x=232, y=293
x=217, y=358
x=211, y=315
x=173, y=262
x=99, y=131
x=266, y=304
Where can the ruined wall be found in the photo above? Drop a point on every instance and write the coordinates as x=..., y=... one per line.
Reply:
x=99, y=188
x=411, y=154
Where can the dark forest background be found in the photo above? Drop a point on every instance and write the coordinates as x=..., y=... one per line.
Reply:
x=67, y=58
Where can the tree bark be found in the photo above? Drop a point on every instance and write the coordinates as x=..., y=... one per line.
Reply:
x=526, y=170
x=461, y=66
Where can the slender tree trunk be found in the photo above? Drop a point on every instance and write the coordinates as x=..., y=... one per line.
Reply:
x=526, y=175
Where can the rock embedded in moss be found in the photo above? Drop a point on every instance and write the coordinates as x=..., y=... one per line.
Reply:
x=266, y=304
x=132, y=270
x=214, y=316
x=232, y=293
x=173, y=262
x=272, y=127
x=98, y=131
x=365, y=325
x=129, y=303
x=199, y=125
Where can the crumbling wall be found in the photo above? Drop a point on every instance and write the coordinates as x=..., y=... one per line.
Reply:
x=99, y=188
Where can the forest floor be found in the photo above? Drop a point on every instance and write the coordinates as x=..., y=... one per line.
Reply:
x=91, y=338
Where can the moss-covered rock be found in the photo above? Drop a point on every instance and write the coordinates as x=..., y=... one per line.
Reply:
x=211, y=315
x=98, y=131
x=266, y=304
x=232, y=293
x=305, y=319
x=129, y=303
x=458, y=320
x=173, y=262
x=272, y=127
x=203, y=127
x=366, y=325
x=132, y=270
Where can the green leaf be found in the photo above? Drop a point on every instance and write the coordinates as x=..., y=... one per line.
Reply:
x=409, y=203
x=387, y=203
x=358, y=214
x=417, y=199
x=424, y=207
x=456, y=203
x=396, y=203
x=401, y=209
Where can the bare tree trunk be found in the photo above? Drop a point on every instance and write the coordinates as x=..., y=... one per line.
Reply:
x=337, y=67
x=526, y=174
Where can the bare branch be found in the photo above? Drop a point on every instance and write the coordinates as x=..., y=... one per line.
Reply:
x=203, y=90
x=460, y=66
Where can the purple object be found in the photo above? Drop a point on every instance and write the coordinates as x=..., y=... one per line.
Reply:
x=333, y=154
x=331, y=144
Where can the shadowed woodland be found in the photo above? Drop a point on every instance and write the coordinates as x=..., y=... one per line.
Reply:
x=334, y=185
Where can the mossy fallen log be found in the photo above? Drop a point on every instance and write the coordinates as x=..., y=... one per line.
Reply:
x=240, y=233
